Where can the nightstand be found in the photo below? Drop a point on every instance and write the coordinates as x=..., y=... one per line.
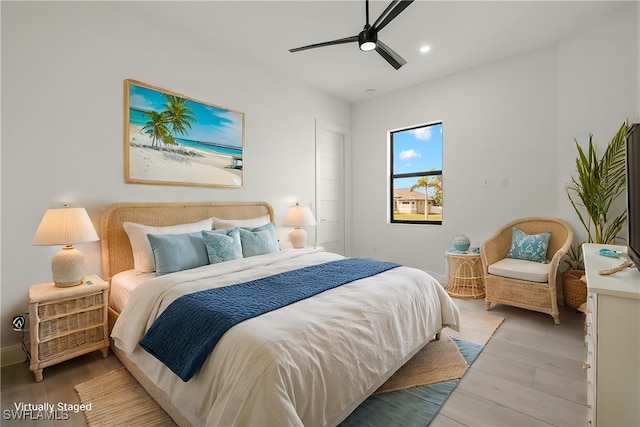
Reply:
x=67, y=322
x=465, y=274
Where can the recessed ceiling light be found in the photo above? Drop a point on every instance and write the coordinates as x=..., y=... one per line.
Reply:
x=370, y=91
x=425, y=49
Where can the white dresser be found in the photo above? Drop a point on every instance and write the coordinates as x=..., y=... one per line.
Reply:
x=613, y=340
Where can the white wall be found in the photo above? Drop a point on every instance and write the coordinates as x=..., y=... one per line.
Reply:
x=598, y=88
x=497, y=123
x=513, y=118
x=63, y=66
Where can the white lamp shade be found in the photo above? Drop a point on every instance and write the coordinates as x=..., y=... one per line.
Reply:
x=299, y=216
x=65, y=226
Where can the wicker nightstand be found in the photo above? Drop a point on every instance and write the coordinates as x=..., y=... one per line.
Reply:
x=465, y=275
x=67, y=322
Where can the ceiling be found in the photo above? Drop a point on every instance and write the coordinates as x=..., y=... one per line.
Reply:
x=461, y=34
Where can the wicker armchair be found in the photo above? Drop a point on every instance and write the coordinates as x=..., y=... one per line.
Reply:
x=509, y=287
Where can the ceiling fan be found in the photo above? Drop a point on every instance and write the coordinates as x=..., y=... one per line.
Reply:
x=368, y=38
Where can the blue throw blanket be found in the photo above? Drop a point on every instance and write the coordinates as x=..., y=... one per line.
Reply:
x=184, y=335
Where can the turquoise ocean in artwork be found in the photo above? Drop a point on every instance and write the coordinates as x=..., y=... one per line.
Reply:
x=138, y=118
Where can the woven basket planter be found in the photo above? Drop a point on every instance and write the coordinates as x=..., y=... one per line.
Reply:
x=574, y=289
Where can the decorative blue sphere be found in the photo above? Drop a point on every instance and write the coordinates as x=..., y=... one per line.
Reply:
x=461, y=243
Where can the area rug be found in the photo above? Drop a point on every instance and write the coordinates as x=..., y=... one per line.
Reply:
x=441, y=360
x=403, y=403
x=475, y=327
x=413, y=396
x=117, y=399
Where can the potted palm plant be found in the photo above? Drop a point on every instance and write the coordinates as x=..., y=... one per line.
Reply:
x=592, y=193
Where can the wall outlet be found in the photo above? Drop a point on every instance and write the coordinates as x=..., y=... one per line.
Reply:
x=486, y=182
x=18, y=323
x=504, y=181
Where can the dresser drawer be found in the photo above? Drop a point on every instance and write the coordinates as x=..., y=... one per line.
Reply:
x=67, y=344
x=66, y=306
x=61, y=325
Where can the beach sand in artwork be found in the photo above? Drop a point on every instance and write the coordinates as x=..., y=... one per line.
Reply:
x=148, y=164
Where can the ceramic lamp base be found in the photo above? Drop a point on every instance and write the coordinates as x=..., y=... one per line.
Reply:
x=67, y=267
x=298, y=238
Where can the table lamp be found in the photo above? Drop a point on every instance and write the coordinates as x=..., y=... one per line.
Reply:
x=298, y=217
x=65, y=226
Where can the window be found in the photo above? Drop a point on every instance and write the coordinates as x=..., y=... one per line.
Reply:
x=416, y=174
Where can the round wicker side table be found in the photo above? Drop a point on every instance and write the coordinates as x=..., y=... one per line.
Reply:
x=465, y=275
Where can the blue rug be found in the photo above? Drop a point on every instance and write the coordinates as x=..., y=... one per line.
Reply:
x=416, y=406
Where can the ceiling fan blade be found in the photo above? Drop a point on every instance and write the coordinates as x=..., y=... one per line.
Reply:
x=390, y=13
x=331, y=43
x=389, y=55
x=384, y=13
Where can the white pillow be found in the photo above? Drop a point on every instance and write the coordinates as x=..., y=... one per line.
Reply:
x=219, y=224
x=143, y=261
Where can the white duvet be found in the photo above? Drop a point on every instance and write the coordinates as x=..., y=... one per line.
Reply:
x=310, y=363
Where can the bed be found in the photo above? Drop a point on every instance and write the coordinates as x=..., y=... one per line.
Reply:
x=311, y=362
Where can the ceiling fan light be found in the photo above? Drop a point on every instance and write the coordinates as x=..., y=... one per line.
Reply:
x=367, y=40
x=367, y=46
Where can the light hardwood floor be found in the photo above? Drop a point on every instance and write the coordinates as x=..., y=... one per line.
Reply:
x=529, y=374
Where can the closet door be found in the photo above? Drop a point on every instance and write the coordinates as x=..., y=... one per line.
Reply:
x=331, y=184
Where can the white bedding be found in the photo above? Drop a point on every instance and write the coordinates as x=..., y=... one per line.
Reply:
x=310, y=363
x=123, y=284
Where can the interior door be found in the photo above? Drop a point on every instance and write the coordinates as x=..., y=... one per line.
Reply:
x=331, y=149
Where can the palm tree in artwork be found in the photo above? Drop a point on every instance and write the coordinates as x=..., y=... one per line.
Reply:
x=178, y=114
x=156, y=129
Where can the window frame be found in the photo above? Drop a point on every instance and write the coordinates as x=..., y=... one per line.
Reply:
x=418, y=174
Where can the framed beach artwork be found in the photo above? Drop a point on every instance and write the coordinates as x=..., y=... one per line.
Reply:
x=171, y=139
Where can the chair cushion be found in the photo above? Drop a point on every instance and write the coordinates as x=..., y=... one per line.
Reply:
x=520, y=269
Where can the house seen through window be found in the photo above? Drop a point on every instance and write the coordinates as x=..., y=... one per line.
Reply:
x=416, y=174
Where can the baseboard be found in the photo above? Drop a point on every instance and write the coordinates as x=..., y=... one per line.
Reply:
x=12, y=355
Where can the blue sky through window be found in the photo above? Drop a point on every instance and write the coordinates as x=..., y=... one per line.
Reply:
x=416, y=150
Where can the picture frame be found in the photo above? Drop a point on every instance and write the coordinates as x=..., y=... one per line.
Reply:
x=172, y=139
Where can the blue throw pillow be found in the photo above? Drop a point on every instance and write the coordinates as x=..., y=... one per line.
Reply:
x=177, y=252
x=529, y=247
x=222, y=245
x=259, y=240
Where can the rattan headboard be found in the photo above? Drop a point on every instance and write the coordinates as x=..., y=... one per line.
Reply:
x=116, y=249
